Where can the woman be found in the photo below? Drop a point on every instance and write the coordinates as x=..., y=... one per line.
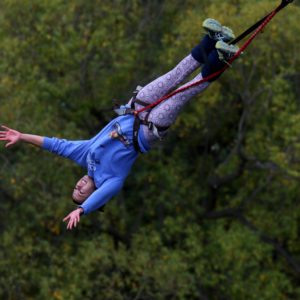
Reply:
x=109, y=155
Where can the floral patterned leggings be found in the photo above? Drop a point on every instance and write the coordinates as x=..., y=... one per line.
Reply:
x=165, y=113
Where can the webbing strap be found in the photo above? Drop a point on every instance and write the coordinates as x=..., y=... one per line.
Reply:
x=283, y=4
x=248, y=31
x=140, y=102
x=258, y=26
x=136, y=127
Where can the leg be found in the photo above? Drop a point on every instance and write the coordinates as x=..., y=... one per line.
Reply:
x=165, y=114
x=218, y=58
x=209, y=52
x=202, y=51
x=162, y=85
x=199, y=55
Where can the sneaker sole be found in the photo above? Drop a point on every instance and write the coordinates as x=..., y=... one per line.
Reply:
x=212, y=25
x=226, y=49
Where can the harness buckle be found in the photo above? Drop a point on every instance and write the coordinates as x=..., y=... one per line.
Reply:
x=121, y=111
x=154, y=129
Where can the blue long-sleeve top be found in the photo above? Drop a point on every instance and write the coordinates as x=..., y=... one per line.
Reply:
x=108, y=160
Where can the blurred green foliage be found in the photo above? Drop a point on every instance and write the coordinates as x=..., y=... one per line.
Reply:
x=212, y=213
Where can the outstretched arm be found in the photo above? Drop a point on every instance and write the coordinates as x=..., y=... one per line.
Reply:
x=99, y=197
x=74, y=150
x=13, y=137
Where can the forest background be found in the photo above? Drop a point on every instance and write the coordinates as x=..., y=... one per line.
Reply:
x=211, y=213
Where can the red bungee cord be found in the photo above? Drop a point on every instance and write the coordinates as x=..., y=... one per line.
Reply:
x=262, y=23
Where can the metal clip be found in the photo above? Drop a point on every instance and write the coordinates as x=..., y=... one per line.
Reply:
x=154, y=130
x=121, y=111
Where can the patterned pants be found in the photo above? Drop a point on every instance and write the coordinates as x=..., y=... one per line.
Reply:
x=165, y=113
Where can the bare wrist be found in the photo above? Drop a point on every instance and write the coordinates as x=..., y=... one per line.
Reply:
x=22, y=137
x=81, y=211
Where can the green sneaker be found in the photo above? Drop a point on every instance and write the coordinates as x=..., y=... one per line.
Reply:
x=216, y=31
x=226, y=51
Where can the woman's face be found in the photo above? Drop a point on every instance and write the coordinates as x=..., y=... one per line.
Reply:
x=83, y=189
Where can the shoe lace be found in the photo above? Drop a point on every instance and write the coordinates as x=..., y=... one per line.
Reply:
x=219, y=36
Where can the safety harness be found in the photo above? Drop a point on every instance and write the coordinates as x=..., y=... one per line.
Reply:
x=123, y=110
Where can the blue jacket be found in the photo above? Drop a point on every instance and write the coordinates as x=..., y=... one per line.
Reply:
x=108, y=160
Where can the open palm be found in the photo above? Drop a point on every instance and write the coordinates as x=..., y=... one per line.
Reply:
x=9, y=135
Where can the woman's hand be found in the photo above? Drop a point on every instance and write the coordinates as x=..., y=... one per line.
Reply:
x=9, y=135
x=73, y=218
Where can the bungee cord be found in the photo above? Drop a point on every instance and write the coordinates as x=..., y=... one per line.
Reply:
x=258, y=27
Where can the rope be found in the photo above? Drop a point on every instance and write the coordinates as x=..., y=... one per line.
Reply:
x=262, y=23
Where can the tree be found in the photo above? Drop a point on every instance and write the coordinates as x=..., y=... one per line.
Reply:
x=209, y=214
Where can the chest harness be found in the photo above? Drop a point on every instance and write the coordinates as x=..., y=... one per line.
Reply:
x=156, y=130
